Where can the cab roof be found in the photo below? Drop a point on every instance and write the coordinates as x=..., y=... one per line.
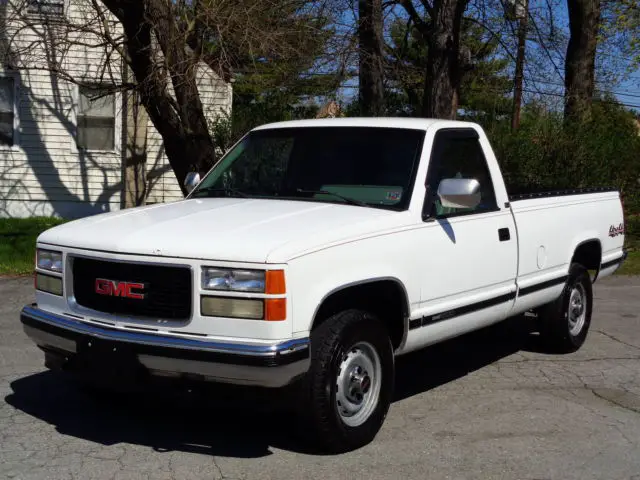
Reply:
x=388, y=122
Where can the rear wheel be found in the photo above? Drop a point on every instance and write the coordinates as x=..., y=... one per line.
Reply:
x=350, y=381
x=564, y=323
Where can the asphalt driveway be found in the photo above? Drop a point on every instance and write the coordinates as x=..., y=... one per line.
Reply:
x=486, y=405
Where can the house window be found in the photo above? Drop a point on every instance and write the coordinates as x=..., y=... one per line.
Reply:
x=45, y=7
x=7, y=110
x=96, y=119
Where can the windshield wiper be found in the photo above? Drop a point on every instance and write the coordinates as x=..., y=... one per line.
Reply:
x=349, y=200
x=218, y=189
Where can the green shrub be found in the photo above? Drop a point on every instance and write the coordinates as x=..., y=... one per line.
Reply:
x=545, y=153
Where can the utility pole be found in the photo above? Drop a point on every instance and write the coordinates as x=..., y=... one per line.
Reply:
x=522, y=16
x=134, y=152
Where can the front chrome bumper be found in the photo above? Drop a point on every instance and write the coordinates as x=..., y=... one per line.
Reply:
x=267, y=365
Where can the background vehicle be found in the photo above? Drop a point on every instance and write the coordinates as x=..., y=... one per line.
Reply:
x=317, y=251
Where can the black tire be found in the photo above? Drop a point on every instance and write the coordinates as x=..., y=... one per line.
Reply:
x=331, y=345
x=557, y=332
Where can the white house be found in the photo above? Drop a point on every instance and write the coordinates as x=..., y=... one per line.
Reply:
x=62, y=153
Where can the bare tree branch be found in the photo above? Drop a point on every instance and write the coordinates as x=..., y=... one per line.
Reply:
x=421, y=25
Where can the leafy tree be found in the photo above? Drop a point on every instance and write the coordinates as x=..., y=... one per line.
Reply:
x=227, y=35
x=484, y=84
x=277, y=92
x=164, y=45
x=547, y=153
x=621, y=22
x=278, y=87
x=439, y=25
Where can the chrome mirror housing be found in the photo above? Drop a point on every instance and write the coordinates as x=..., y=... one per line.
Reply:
x=459, y=192
x=191, y=181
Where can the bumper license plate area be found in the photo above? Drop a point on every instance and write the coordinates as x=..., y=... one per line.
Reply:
x=108, y=358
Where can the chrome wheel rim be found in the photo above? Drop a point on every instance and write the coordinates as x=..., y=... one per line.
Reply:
x=358, y=384
x=577, y=309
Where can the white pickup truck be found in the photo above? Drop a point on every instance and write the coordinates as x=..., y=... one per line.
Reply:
x=312, y=254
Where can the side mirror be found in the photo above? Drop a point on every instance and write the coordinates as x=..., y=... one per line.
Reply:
x=191, y=181
x=459, y=192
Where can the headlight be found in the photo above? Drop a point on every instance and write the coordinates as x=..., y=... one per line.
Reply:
x=49, y=260
x=233, y=280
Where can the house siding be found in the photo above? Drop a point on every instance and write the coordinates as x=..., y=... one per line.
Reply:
x=216, y=96
x=43, y=174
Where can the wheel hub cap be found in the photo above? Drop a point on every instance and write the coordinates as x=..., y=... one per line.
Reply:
x=358, y=384
x=577, y=310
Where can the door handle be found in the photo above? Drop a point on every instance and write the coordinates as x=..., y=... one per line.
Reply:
x=504, y=235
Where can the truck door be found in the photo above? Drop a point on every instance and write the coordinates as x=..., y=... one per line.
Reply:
x=468, y=257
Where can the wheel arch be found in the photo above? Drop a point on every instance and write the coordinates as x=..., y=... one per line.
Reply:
x=588, y=253
x=384, y=296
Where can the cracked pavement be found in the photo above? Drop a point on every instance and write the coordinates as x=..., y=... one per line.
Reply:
x=486, y=405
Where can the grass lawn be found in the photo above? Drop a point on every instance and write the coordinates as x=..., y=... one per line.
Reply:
x=18, y=240
x=631, y=266
x=632, y=242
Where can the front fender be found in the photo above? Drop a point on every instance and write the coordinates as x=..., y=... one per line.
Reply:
x=314, y=278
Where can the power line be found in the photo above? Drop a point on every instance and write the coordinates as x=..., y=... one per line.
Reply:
x=618, y=92
x=551, y=94
x=626, y=93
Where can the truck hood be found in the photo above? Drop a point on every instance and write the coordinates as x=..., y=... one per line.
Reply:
x=229, y=229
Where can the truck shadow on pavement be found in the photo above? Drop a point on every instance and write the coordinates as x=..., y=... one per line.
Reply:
x=239, y=423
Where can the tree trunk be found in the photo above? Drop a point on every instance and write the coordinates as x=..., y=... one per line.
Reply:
x=584, y=23
x=442, y=77
x=183, y=70
x=522, y=18
x=370, y=51
x=180, y=121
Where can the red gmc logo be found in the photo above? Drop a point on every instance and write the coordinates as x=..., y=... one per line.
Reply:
x=114, y=288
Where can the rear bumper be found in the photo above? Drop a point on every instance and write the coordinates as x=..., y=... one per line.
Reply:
x=267, y=365
x=615, y=262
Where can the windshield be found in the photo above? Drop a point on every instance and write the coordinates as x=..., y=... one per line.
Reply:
x=358, y=165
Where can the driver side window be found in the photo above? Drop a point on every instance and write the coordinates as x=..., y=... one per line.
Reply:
x=458, y=154
x=260, y=167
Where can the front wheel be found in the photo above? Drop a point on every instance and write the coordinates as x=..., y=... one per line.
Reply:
x=350, y=381
x=564, y=323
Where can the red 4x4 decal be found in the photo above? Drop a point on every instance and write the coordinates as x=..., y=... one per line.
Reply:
x=615, y=231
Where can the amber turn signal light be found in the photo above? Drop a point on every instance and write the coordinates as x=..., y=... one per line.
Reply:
x=275, y=309
x=275, y=282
